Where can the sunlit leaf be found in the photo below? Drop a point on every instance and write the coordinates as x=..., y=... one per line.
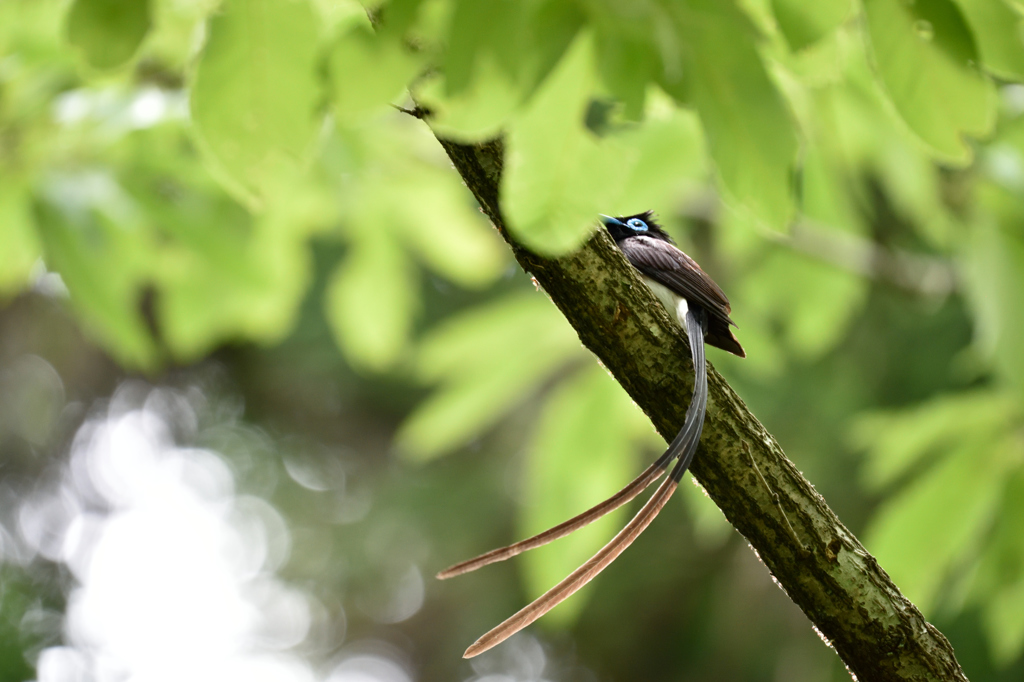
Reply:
x=811, y=301
x=208, y=242
x=515, y=43
x=371, y=300
x=558, y=176
x=896, y=441
x=928, y=61
x=399, y=181
x=487, y=361
x=826, y=194
x=995, y=283
x=671, y=159
x=368, y=70
x=750, y=133
x=997, y=29
x=91, y=237
x=858, y=129
x=439, y=224
x=1004, y=623
x=804, y=23
x=108, y=32
x=627, y=63
x=474, y=113
x=919, y=533
x=256, y=91
x=553, y=26
x=999, y=581
x=479, y=28
x=1002, y=562
x=259, y=288
x=498, y=53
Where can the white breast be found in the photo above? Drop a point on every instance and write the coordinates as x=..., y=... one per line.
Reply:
x=673, y=302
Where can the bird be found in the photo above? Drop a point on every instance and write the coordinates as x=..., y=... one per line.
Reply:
x=702, y=309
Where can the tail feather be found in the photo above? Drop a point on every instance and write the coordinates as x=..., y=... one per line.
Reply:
x=580, y=577
x=696, y=325
x=684, y=441
x=720, y=335
x=637, y=486
x=684, y=445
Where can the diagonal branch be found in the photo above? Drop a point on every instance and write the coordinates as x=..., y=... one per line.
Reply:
x=879, y=634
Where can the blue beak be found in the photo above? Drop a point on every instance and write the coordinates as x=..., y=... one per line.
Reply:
x=608, y=220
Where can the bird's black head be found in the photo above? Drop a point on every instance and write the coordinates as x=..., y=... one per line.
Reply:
x=644, y=224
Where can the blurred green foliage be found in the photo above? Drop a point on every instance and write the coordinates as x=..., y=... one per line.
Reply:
x=178, y=163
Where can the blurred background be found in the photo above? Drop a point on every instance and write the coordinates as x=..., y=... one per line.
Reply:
x=265, y=369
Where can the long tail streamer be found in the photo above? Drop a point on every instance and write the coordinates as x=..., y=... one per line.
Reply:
x=684, y=446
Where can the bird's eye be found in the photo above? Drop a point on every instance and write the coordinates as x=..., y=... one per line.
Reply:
x=637, y=224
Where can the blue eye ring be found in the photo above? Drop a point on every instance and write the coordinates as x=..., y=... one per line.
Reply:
x=637, y=224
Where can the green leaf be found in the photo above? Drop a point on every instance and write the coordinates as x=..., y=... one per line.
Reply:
x=208, y=242
x=259, y=287
x=858, y=131
x=750, y=132
x=671, y=159
x=811, y=301
x=21, y=248
x=487, y=361
x=108, y=32
x=518, y=43
x=997, y=29
x=920, y=533
x=825, y=193
x=490, y=68
x=1002, y=562
x=460, y=345
x=368, y=71
x=805, y=23
x=371, y=301
x=558, y=176
x=895, y=442
x=256, y=93
x=927, y=59
x=104, y=258
x=477, y=112
x=580, y=455
x=552, y=27
x=1003, y=619
x=437, y=222
x=998, y=585
x=398, y=179
x=493, y=58
x=994, y=275
x=477, y=28
x=627, y=64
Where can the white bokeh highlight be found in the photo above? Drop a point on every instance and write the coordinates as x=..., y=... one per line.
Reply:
x=175, y=571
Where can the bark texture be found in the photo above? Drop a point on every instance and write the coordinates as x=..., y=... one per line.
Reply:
x=821, y=565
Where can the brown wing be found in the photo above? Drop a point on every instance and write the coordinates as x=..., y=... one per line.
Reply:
x=669, y=266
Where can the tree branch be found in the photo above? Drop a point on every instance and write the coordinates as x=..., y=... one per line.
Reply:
x=879, y=634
